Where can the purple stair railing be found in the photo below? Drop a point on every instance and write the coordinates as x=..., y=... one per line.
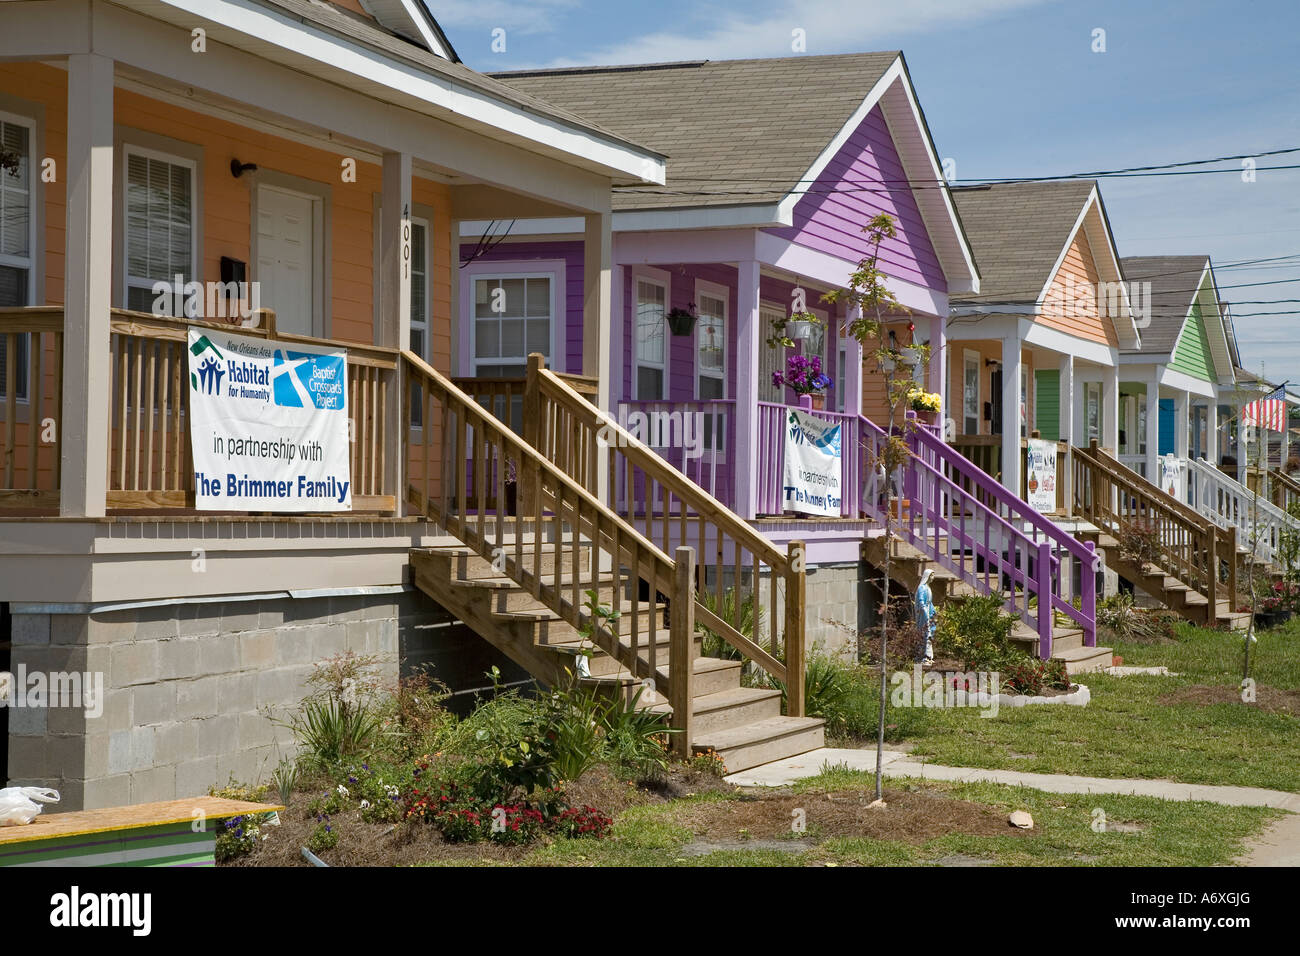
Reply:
x=968, y=523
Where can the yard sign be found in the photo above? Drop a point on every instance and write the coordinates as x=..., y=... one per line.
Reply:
x=1041, y=479
x=268, y=425
x=811, y=476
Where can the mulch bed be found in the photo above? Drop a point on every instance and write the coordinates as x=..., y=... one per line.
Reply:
x=1269, y=699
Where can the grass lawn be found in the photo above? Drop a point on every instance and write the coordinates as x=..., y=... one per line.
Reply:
x=1200, y=733
x=703, y=830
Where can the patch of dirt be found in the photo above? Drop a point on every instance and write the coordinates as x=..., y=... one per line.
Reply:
x=910, y=816
x=1269, y=699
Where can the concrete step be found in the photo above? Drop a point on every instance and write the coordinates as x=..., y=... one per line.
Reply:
x=735, y=707
x=773, y=738
x=1084, y=660
x=1066, y=638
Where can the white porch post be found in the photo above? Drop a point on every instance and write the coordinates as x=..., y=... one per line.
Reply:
x=1153, y=429
x=88, y=285
x=1011, y=419
x=1212, y=432
x=852, y=367
x=1181, y=426
x=938, y=358
x=1065, y=426
x=597, y=279
x=748, y=335
x=1110, y=409
x=395, y=308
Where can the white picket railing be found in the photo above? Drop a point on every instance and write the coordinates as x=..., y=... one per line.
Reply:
x=1228, y=504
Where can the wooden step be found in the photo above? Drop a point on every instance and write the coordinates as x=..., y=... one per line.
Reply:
x=735, y=707
x=773, y=738
x=712, y=676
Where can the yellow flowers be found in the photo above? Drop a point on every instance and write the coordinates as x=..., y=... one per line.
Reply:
x=923, y=401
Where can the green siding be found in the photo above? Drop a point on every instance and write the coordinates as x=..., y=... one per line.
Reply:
x=1192, y=353
x=1047, y=394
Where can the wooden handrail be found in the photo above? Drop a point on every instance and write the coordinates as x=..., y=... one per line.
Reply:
x=573, y=433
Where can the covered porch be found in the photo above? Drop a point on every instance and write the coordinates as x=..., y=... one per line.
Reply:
x=1164, y=412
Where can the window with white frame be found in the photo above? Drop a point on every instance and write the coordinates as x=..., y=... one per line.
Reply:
x=651, y=357
x=419, y=307
x=514, y=315
x=1092, y=411
x=770, y=360
x=841, y=365
x=160, y=228
x=970, y=393
x=711, y=360
x=17, y=237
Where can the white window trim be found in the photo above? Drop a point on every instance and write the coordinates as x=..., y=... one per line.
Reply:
x=723, y=294
x=503, y=270
x=426, y=320
x=966, y=356
x=664, y=281
x=129, y=149
x=771, y=306
x=33, y=168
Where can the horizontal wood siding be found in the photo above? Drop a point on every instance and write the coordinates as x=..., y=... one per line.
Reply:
x=1192, y=353
x=863, y=179
x=1071, y=302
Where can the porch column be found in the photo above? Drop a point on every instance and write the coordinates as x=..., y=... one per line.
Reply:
x=1212, y=432
x=1110, y=409
x=749, y=332
x=395, y=309
x=1011, y=420
x=88, y=287
x=852, y=383
x=597, y=279
x=1181, y=426
x=938, y=359
x=1153, y=429
x=1065, y=428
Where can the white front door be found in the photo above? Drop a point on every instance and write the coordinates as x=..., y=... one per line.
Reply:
x=286, y=258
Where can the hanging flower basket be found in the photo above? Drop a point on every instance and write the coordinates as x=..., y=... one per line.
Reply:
x=910, y=356
x=799, y=329
x=681, y=321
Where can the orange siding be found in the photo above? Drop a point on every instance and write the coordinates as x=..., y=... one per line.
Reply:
x=875, y=397
x=1071, y=303
x=987, y=349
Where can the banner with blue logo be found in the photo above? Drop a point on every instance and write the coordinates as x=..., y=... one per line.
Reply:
x=268, y=425
x=811, y=476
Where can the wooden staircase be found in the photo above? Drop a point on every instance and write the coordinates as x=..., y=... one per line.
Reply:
x=529, y=559
x=1197, y=566
x=907, y=564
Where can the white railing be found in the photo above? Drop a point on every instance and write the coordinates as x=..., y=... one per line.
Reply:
x=1228, y=504
x=1135, y=463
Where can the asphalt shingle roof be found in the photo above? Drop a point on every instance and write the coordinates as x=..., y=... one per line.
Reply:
x=1174, y=281
x=736, y=132
x=1017, y=232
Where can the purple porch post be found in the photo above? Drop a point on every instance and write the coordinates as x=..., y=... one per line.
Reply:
x=1044, y=570
x=748, y=335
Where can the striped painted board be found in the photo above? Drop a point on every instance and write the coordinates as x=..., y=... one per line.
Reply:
x=171, y=833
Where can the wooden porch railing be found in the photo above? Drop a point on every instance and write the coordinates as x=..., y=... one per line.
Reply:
x=665, y=506
x=1000, y=543
x=1191, y=547
x=31, y=400
x=464, y=465
x=984, y=451
x=1285, y=489
x=504, y=397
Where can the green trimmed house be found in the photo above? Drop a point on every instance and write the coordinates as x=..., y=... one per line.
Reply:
x=1180, y=369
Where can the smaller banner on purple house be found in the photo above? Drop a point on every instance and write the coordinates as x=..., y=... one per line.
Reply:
x=1040, y=477
x=811, y=477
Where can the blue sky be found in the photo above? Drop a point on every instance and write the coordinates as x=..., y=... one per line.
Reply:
x=1013, y=88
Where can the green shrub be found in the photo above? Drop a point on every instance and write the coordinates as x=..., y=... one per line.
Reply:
x=977, y=632
x=331, y=730
x=1032, y=676
x=324, y=836
x=739, y=612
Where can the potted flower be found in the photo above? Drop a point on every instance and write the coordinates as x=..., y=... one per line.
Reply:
x=804, y=376
x=926, y=404
x=682, y=321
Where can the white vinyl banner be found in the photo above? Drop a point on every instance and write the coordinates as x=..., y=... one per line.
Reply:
x=1173, y=474
x=1041, y=475
x=268, y=425
x=811, y=476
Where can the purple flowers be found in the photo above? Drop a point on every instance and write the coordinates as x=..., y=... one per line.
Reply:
x=802, y=375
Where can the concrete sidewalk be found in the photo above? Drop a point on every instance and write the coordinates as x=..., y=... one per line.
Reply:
x=898, y=764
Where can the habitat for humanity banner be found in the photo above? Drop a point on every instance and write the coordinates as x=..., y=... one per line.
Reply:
x=811, y=478
x=268, y=425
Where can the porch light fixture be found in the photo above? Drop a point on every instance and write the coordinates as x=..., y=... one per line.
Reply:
x=238, y=169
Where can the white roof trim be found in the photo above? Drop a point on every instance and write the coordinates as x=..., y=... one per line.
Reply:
x=961, y=275
x=405, y=17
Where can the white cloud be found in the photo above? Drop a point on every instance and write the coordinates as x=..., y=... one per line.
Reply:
x=830, y=26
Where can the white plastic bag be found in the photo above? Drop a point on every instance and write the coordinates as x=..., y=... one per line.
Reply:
x=21, y=805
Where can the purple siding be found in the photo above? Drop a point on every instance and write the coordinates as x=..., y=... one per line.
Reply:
x=571, y=253
x=830, y=216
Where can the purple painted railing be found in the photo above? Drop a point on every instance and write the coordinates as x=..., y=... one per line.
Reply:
x=1001, y=532
x=697, y=438
x=771, y=418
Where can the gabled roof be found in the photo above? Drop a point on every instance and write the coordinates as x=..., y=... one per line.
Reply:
x=1177, y=283
x=758, y=132
x=413, y=20
x=1018, y=231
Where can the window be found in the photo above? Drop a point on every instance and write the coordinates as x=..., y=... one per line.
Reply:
x=651, y=357
x=710, y=360
x=841, y=364
x=770, y=360
x=970, y=393
x=1092, y=411
x=419, y=307
x=160, y=240
x=17, y=236
x=513, y=316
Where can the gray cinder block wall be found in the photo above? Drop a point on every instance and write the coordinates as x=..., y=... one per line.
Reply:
x=188, y=686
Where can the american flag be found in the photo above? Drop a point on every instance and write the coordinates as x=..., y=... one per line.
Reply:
x=1267, y=412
